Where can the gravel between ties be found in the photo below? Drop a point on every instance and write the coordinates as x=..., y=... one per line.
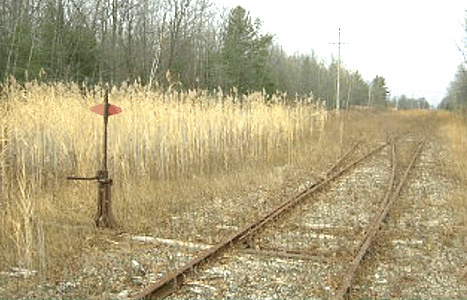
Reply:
x=418, y=253
x=315, y=228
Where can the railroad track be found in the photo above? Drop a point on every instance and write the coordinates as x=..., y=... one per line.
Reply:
x=263, y=236
x=373, y=228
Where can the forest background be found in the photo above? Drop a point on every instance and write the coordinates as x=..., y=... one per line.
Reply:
x=177, y=44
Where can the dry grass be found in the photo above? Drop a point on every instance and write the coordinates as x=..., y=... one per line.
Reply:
x=161, y=142
x=169, y=153
x=414, y=112
x=454, y=128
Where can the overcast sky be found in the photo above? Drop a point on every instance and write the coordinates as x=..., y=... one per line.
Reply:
x=412, y=43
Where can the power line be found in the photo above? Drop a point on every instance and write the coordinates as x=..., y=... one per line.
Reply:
x=338, y=69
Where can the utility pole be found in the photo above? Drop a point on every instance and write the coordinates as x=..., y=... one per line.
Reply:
x=338, y=69
x=349, y=83
x=397, y=99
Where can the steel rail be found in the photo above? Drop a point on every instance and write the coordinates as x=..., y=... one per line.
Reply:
x=336, y=165
x=375, y=225
x=169, y=283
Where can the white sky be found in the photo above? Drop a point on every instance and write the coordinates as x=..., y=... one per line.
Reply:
x=411, y=43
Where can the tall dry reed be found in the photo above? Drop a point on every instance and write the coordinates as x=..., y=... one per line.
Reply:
x=48, y=132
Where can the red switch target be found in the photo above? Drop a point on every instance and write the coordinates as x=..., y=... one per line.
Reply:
x=113, y=110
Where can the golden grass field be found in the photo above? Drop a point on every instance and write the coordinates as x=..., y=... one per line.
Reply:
x=160, y=143
x=167, y=152
x=454, y=129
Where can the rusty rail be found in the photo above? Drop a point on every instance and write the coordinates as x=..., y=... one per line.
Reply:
x=374, y=226
x=346, y=155
x=169, y=283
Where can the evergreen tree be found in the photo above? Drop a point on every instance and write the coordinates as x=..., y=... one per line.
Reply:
x=359, y=90
x=245, y=53
x=379, y=92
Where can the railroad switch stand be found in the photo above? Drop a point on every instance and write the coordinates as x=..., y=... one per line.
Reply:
x=104, y=216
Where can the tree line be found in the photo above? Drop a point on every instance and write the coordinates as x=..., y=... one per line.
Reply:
x=177, y=44
x=456, y=92
x=404, y=102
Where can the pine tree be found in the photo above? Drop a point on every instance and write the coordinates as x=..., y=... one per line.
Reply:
x=379, y=91
x=245, y=53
